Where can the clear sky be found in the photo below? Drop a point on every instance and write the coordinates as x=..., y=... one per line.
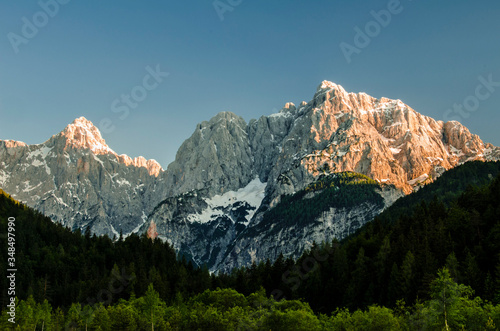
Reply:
x=77, y=58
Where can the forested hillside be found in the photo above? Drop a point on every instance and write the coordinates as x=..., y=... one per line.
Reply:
x=388, y=260
x=64, y=267
x=450, y=306
x=344, y=189
x=446, y=188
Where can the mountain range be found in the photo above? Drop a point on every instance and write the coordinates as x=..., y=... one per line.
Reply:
x=337, y=161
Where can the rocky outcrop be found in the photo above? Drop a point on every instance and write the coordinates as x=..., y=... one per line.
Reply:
x=211, y=199
x=335, y=131
x=77, y=180
x=381, y=138
x=217, y=157
x=266, y=137
x=203, y=228
x=292, y=241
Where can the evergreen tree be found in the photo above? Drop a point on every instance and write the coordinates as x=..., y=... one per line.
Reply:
x=445, y=294
x=407, y=275
x=152, y=305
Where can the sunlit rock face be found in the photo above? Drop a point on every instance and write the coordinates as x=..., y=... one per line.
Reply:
x=210, y=201
x=381, y=138
x=335, y=131
x=77, y=180
x=217, y=157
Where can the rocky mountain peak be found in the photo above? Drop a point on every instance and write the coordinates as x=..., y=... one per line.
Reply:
x=13, y=143
x=216, y=157
x=225, y=115
x=327, y=86
x=83, y=134
x=76, y=179
x=210, y=203
x=153, y=167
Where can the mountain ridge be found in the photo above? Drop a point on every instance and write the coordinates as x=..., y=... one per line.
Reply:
x=72, y=177
x=336, y=131
x=75, y=178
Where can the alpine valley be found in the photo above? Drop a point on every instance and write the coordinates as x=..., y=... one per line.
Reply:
x=242, y=192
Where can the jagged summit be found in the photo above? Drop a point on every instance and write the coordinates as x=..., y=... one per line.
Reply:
x=77, y=179
x=225, y=115
x=210, y=202
x=153, y=167
x=82, y=133
x=14, y=143
x=337, y=130
x=326, y=84
x=383, y=138
x=329, y=86
x=83, y=122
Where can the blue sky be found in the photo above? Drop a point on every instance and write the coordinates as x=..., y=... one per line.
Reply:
x=262, y=54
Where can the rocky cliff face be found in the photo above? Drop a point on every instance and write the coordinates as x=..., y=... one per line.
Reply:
x=77, y=180
x=335, y=131
x=211, y=200
x=381, y=138
x=202, y=228
x=217, y=157
x=339, y=131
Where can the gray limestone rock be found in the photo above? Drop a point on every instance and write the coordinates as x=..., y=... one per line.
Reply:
x=77, y=180
x=212, y=198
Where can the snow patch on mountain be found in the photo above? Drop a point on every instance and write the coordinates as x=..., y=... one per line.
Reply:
x=114, y=231
x=144, y=218
x=41, y=152
x=252, y=194
x=456, y=151
x=3, y=177
x=123, y=181
x=418, y=179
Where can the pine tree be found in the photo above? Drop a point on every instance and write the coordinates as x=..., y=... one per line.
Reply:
x=446, y=294
x=394, y=289
x=408, y=276
x=44, y=314
x=152, y=304
x=74, y=317
x=453, y=266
